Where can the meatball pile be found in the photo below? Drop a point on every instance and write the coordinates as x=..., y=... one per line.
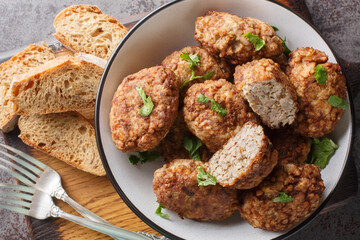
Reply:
x=228, y=111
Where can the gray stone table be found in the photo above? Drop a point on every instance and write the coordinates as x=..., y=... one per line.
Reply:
x=23, y=22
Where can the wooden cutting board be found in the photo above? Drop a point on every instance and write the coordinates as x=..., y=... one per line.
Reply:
x=95, y=193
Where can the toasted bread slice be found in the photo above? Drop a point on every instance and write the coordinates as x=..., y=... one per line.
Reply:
x=30, y=57
x=66, y=136
x=64, y=84
x=84, y=28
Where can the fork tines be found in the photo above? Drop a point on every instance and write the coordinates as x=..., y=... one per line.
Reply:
x=16, y=197
x=26, y=169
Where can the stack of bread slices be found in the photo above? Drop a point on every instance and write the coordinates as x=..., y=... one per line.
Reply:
x=44, y=92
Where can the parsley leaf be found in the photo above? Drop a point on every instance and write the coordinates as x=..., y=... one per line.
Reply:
x=218, y=108
x=148, y=104
x=192, y=146
x=258, y=42
x=161, y=214
x=204, y=179
x=275, y=28
x=214, y=105
x=320, y=74
x=287, y=51
x=283, y=197
x=193, y=59
x=202, y=98
x=144, y=157
x=321, y=151
x=207, y=76
x=335, y=101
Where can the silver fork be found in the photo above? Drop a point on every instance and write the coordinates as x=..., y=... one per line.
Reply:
x=42, y=177
x=37, y=204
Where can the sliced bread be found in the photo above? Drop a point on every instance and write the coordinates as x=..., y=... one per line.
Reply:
x=84, y=28
x=64, y=84
x=30, y=57
x=66, y=136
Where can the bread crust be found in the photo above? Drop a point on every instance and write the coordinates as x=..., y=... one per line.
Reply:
x=132, y=132
x=67, y=83
x=54, y=133
x=32, y=56
x=92, y=39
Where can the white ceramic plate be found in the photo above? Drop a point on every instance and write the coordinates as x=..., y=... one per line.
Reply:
x=168, y=29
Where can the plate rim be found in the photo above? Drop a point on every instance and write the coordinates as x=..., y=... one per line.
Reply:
x=123, y=196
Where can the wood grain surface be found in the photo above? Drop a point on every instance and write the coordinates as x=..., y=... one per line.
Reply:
x=97, y=193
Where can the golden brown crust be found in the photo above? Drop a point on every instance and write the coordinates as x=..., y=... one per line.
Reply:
x=214, y=130
x=176, y=188
x=132, y=132
x=268, y=91
x=172, y=146
x=302, y=182
x=222, y=33
x=316, y=116
x=291, y=147
x=207, y=64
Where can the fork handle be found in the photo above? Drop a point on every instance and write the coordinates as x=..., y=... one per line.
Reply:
x=82, y=210
x=103, y=227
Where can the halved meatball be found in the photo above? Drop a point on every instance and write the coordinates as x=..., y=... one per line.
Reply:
x=245, y=160
x=291, y=146
x=316, y=116
x=208, y=63
x=207, y=124
x=268, y=92
x=172, y=146
x=133, y=132
x=302, y=182
x=176, y=188
x=221, y=34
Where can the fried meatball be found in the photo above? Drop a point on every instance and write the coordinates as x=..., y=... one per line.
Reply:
x=316, y=116
x=291, y=147
x=132, y=132
x=302, y=182
x=205, y=123
x=172, y=146
x=176, y=188
x=207, y=64
x=268, y=92
x=245, y=160
x=222, y=33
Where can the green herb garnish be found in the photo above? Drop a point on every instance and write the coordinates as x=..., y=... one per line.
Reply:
x=258, y=42
x=205, y=179
x=148, y=104
x=193, y=145
x=321, y=151
x=320, y=74
x=160, y=213
x=193, y=59
x=214, y=105
x=287, y=51
x=217, y=108
x=202, y=98
x=144, y=157
x=283, y=198
x=193, y=76
x=335, y=101
x=275, y=28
